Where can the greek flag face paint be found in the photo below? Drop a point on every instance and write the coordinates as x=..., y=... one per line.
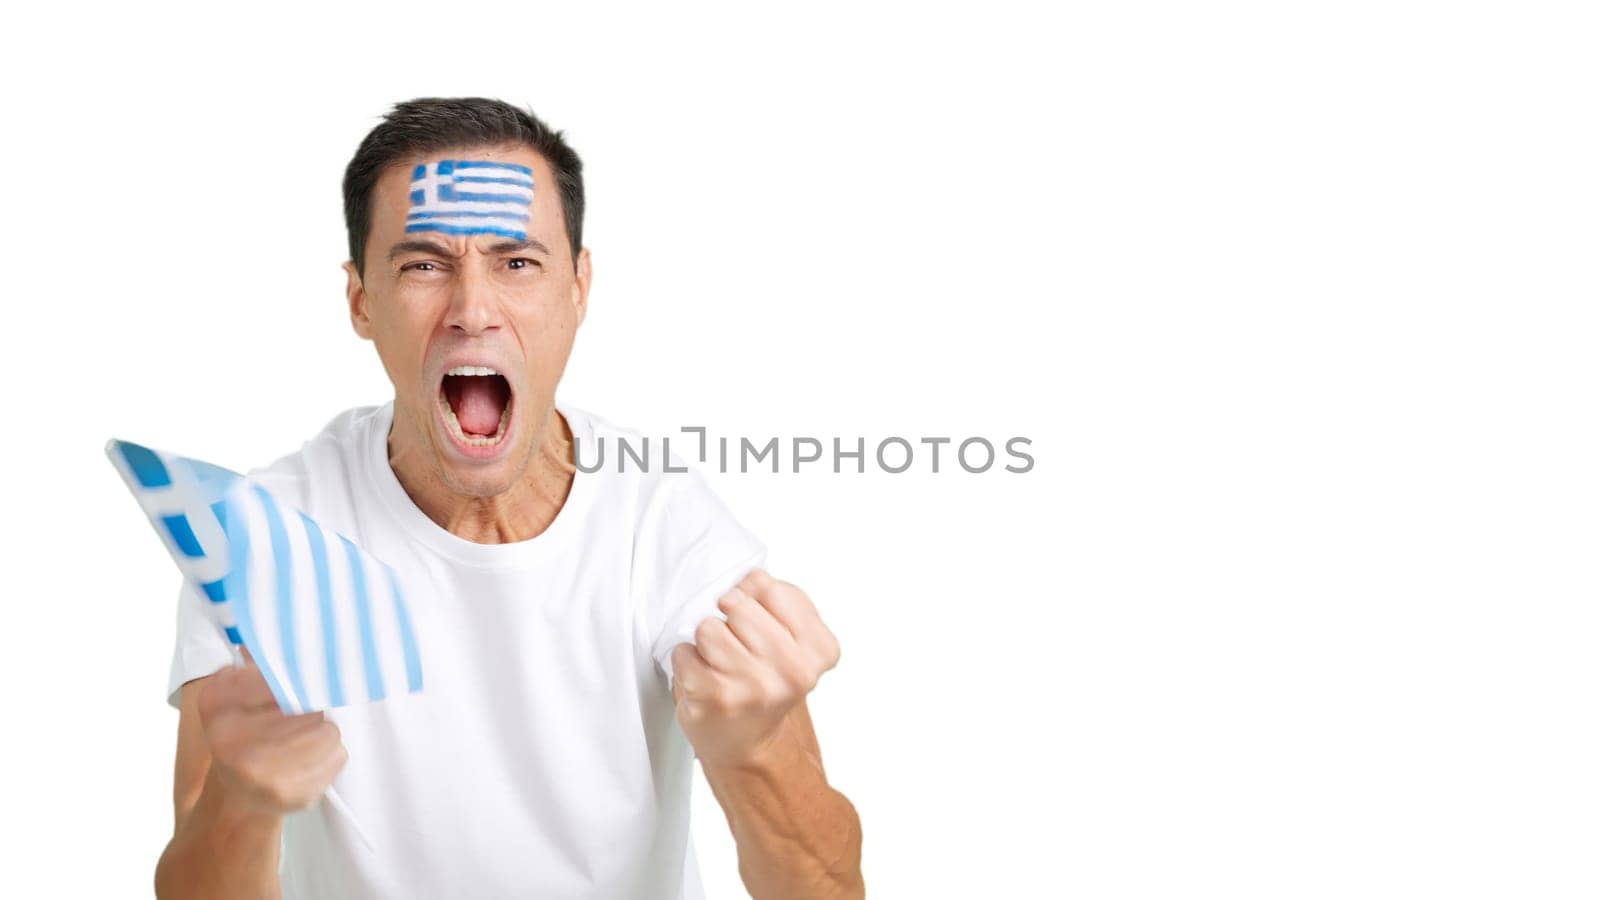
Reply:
x=466, y=196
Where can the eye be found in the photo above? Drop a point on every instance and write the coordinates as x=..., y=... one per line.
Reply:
x=522, y=263
x=418, y=266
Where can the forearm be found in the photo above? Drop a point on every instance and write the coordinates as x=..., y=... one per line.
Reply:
x=221, y=851
x=797, y=836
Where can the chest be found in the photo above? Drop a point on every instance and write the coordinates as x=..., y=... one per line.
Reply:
x=533, y=721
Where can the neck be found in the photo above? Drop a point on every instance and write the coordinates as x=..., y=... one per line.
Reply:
x=521, y=512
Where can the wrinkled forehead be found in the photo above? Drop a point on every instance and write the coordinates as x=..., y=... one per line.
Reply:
x=465, y=195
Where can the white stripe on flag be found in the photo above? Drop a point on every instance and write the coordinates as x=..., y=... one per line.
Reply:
x=352, y=672
x=461, y=171
x=386, y=630
x=261, y=594
x=309, y=644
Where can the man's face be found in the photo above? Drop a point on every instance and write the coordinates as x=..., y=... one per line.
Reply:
x=444, y=308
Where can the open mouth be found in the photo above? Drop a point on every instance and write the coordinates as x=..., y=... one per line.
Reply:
x=475, y=402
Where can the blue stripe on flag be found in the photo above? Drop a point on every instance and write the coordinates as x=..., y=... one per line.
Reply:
x=147, y=467
x=508, y=214
x=283, y=570
x=233, y=635
x=459, y=229
x=408, y=640
x=238, y=532
x=178, y=527
x=448, y=194
x=369, y=647
x=215, y=592
x=330, y=634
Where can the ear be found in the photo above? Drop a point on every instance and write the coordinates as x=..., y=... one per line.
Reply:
x=357, y=296
x=582, y=276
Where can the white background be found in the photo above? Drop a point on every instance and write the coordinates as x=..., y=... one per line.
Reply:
x=1297, y=303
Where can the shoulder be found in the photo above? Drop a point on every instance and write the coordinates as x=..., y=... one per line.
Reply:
x=650, y=469
x=674, y=514
x=328, y=460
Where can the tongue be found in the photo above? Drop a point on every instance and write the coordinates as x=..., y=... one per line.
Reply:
x=477, y=401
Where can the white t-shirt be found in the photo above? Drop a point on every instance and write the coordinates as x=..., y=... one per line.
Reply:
x=543, y=757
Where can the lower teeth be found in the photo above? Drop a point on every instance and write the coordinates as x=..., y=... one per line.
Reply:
x=472, y=440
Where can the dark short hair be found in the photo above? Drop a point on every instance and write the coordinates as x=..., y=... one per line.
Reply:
x=439, y=123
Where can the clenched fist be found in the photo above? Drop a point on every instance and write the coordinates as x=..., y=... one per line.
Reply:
x=269, y=762
x=737, y=681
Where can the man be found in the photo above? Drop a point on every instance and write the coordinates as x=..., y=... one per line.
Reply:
x=583, y=632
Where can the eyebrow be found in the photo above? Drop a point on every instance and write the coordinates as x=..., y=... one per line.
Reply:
x=528, y=244
x=519, y=246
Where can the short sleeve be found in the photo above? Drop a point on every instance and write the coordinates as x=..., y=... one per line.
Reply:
x=689, y=551
x=201, y=648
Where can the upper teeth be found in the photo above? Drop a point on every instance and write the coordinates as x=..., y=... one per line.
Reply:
x=472, y=370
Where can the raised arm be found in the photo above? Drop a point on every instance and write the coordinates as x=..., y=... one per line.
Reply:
x=740, y=691
x=241, y=766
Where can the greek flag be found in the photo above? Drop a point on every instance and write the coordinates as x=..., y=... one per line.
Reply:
x=458, y=196
x=325, y=622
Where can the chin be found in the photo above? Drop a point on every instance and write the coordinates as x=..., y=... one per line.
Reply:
x=480, y=468
x=476, y=483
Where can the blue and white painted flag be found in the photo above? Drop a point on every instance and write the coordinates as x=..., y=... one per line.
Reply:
x=324, y=621
x=461, y=196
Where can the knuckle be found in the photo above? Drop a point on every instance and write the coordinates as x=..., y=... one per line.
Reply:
x=726, y=700
x=741, y=614
x=796, y=680
x=328, y=736
x=831, y=650
x=680, y=658
x=707, y=629
x=333, y=763
x=803, y=680
x=772, y=692
x=685, y=683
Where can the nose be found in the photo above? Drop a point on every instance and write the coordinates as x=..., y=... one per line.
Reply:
x=474, y=308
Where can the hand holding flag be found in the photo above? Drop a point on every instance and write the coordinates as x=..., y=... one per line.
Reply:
x=271, y=762
x=324, y=623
